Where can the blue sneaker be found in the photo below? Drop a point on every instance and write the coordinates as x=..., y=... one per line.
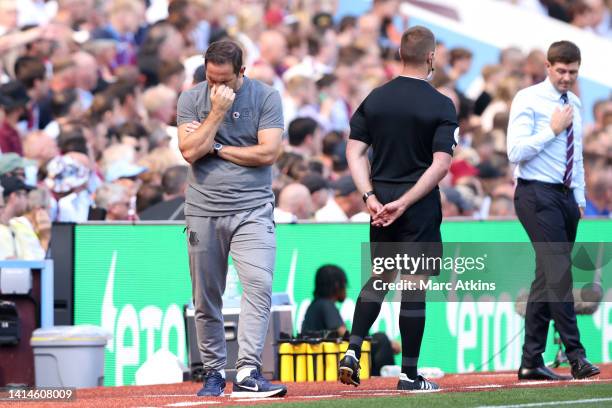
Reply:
x=256, y=386
x=214, y=384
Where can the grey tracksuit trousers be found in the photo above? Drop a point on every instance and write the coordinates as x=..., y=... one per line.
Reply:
x=249, y=238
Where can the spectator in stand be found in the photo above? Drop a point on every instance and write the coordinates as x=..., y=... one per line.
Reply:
x=460, y=60
x=502, y=206
x=160, y=105
x=86, y=77
x=599, y=195
x=502, y=99
x=124, y=20
x=132, y=134
x=319, y=189
x=15, y=201
x=304, y=137
x=452, y=203
x=13, y=165
x=67, y=179
x=163, y=43
x=32, y=73
x=492, y=75
x=32, y=230
x=294, y=204
x=535, y=67
x=65, y=108
x=174, y=184
x=332, y=146
x=114, y=199
x=602, y=17
x=581, y=15
x=148, y=195
x=273, y=50
x=345, y=205
x=7, y=242
x=172, y=74
x=13, y=100
x=125, y=95
x=63, y=74
x=299, y=99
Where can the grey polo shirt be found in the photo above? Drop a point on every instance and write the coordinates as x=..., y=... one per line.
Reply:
x=219, y=187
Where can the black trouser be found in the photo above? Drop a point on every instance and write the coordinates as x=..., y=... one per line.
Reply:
x=420, y=223
x=550, y=215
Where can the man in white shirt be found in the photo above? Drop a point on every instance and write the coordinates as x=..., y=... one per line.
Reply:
x=346, y=204
x=294, y=203
x=545, y=143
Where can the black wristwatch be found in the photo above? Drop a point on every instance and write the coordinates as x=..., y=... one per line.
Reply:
x=367, y=195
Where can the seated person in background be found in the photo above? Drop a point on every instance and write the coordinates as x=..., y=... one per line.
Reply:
x=322, y=315
x=32, y=230
x=13, y=204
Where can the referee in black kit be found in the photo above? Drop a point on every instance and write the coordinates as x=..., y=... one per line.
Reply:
x=545, y=141
x=412, y=129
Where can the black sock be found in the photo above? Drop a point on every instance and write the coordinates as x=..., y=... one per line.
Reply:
x=412, y=326
x=366, y=311
x=355, y=345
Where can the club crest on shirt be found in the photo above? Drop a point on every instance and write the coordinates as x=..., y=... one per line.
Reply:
x=456, y=137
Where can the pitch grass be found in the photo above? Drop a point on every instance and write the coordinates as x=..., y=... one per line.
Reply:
x=512, y=396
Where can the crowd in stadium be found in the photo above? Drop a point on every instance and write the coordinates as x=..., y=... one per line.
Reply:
x=589, y=15
x=89, y=91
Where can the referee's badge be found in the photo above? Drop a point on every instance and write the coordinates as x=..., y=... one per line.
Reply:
x=236, y=115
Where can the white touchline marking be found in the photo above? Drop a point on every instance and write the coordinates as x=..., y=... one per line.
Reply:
x=541, y=404
x=255, y=399
x=384, y=394
x=484, y=375
x=155, y=396
x=365, y=391
x=319, y=396
x=530, y=383
x=192, y=403
x=483, y=386
x=422, y=391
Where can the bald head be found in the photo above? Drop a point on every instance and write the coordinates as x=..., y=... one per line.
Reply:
x=40, y=147
x=295, y=198
x=86, y=70
x=272, y=47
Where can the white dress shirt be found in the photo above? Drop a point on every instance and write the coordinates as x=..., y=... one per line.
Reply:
x=331, y=212
x=532, y=144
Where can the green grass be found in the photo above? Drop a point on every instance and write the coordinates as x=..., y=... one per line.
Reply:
x=475, y=399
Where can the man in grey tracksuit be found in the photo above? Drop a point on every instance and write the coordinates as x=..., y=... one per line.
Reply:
x=230, y=131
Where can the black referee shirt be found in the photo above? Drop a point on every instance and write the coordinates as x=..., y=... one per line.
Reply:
x=405, y=121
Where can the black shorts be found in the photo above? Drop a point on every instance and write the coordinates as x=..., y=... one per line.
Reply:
x=415, y=233
x=419, y=223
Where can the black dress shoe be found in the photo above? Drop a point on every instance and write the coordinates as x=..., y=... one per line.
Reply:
x=541, y=373
x=582, y=368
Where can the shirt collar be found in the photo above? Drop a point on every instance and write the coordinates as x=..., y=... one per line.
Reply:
x=552, y=92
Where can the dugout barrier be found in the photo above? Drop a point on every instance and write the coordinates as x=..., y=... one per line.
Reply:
x=133, y=279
